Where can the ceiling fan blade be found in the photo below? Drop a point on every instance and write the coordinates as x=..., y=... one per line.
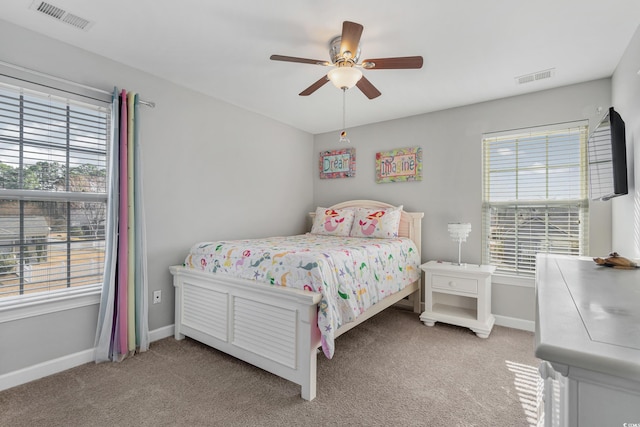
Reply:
x=350, y=40
x=367, y=88
x=393, y=63
x=314, y=87
x=301, y=60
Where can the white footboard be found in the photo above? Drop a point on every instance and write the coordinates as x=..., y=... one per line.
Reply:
x=270, y=327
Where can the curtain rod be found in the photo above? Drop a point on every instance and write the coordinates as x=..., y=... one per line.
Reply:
x=147, y=103
x=48, y=76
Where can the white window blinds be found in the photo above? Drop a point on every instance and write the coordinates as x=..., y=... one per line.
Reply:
x=534, y=196
x=53, y=191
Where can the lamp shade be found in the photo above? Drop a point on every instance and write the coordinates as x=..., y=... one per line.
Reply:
x=344, y=77
x=459, y=231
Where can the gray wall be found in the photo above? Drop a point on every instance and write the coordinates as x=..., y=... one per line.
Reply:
x=451, y=189
x=208, y=175
x=626, y=101
x=208, y=171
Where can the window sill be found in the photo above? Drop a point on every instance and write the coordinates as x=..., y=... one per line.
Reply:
x=22, y=307
x=525, y=282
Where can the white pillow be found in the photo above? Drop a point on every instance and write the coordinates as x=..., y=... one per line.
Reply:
x=333, y=222
x=381, y=223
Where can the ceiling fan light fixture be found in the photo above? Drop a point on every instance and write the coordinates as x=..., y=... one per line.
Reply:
x=344, y=77
x=344, y=51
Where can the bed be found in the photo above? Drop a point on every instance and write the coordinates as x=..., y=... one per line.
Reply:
x=262, y=315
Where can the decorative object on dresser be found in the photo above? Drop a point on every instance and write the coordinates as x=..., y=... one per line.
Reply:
x=616, y=261
x=273, y=303
x=459, y=295
x=459, y=232
x=587, y=335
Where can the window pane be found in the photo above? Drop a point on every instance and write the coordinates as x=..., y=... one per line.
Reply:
x=532, y=152
x=531, y=184
x=565, y=183
x=502, y=155
x=565, y=149
x=502, y=188
x=43, y=122
x=518, y=233
x=49, y=249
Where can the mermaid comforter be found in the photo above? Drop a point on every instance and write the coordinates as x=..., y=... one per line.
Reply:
x=350, y=273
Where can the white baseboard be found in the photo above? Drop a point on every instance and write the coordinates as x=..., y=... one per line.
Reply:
x=41, y=370
x=515, y=323
x=50, y=367
x=161, y=333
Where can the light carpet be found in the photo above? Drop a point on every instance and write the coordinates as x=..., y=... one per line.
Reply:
x=390, y=371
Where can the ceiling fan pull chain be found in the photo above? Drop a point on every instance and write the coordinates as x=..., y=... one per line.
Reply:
x=343, y=134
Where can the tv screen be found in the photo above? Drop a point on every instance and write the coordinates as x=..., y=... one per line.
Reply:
x=608, y=158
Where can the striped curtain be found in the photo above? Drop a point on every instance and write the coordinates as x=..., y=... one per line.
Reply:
x=123, y=318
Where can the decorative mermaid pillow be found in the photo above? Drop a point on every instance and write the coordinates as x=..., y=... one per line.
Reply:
x=381, y=223
x=333, y=222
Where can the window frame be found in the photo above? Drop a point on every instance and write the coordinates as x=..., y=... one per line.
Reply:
x=29, y=305
x=580, y=201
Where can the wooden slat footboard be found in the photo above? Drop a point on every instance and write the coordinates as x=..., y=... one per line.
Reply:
x=270, y=327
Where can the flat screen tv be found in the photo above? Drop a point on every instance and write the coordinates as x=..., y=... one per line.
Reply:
x=608, y=158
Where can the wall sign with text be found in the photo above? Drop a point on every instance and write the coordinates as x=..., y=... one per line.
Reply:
x=399, y=165
x=338, y=163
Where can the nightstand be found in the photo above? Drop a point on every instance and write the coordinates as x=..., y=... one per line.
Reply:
x=459, y=295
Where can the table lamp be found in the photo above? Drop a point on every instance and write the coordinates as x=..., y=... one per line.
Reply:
x=459, y=232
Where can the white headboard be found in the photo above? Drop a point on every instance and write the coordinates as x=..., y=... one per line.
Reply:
x=410, y=222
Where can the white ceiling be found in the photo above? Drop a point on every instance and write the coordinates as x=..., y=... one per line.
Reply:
x=472, y=49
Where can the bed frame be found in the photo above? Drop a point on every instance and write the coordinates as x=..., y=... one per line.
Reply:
x=227, y=314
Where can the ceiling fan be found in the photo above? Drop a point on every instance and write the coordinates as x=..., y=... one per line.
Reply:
x=344, y=51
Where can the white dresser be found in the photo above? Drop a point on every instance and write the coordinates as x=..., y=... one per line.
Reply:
x=588, y=336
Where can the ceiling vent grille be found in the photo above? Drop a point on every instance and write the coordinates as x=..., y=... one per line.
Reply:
x=61, y=15
x=539, y=75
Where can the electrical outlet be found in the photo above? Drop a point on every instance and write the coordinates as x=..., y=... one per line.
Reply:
x=157, y=297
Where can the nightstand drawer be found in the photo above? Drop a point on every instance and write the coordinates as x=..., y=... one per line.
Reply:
x=451, y=283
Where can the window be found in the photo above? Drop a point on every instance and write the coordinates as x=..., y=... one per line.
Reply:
x=534, y=196
x=53, y=191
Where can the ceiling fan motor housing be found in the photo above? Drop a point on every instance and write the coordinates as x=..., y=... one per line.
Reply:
x=337, y=58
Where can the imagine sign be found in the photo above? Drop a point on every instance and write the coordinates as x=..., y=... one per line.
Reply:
x=399, y=165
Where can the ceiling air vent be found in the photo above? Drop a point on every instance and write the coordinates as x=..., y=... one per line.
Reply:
x=61, y=15
x=540, y=75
